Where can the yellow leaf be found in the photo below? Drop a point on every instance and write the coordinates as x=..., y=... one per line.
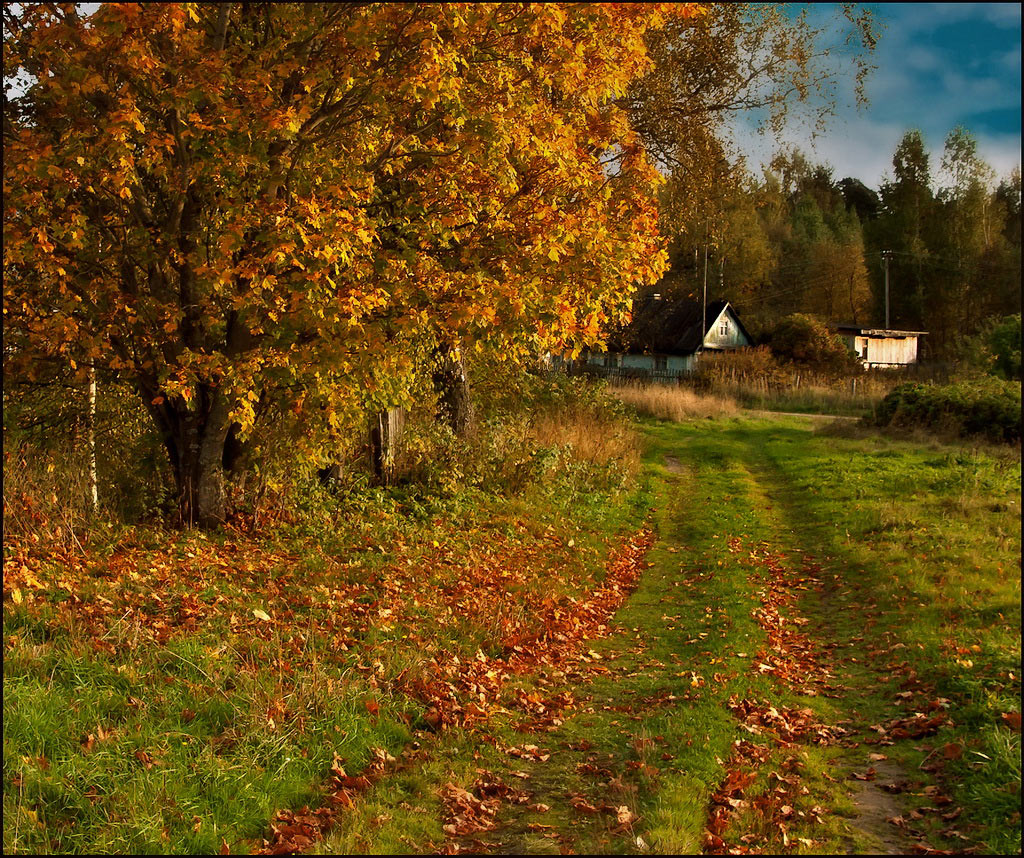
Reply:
x=261, y=615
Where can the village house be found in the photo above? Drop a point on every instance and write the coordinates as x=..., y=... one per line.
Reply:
x=666, y=337
x=878, y=347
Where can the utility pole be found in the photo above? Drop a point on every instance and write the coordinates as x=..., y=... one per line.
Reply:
x=704, y=301
x=885, y=259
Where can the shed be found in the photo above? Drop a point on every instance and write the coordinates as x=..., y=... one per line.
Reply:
x=665, y=338
x=881, y=347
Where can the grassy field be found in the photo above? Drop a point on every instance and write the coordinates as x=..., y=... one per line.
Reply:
x=825, y=637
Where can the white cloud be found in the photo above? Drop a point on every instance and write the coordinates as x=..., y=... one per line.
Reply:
x=864, y=150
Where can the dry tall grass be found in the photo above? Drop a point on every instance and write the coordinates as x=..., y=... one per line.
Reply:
x=45, y=496
x=670, y=402
x=594, y=436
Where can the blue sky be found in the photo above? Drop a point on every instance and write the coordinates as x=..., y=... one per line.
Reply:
x=938, y=65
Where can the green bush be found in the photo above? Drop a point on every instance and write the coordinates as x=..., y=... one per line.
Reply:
x=995, y=349
x=1005, y=342
x=987, y=407
x=804, y=341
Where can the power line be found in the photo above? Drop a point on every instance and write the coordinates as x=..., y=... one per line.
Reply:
x=809, y=283
x=931, y=259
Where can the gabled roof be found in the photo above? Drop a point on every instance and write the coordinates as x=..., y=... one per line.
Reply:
x=670, y=326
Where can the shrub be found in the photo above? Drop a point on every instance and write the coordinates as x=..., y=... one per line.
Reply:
x=986, y=407
x=1005, y=341
x=756, y=365
x=806, y=342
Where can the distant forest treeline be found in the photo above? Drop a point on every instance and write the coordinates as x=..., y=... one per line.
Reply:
x=797, y=240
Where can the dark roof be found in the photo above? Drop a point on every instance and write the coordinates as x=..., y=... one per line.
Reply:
x=668, y=326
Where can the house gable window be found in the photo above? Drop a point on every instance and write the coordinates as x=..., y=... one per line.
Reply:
x=723, y=328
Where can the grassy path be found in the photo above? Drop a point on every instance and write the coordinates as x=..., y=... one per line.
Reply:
x=781, y=680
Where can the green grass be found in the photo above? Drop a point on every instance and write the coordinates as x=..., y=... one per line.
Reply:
x=925, y=544
x=147, y=708
x=206, y=720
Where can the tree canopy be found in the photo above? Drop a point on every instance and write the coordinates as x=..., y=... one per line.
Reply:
x=225, y=203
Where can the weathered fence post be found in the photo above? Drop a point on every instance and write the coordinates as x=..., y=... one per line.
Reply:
x=385, y=437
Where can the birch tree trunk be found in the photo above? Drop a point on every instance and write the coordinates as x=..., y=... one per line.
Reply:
x=94, y=494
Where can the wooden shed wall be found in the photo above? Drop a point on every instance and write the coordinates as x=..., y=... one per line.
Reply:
x=883, y=350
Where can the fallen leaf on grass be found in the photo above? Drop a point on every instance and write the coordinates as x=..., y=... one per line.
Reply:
x=624, y=816
x=712, y=842
x=144, y=758
x=465, y=813
x=582, y=805
x=1012, y=720
x=952, y=751
x=433, y=718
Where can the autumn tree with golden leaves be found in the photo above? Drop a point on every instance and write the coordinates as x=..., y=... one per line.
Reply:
x=223, y=204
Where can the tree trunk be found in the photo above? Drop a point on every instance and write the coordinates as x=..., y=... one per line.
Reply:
x=201, y=477
x=235, y=451
x=195, y=442
x=94, y=496
x=454, y=406
x=385, y=437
